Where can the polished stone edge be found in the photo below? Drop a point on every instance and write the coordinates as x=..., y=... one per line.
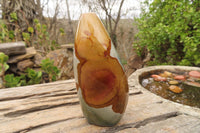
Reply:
x=99, y=116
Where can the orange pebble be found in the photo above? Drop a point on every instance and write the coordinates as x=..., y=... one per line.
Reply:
x=175, y=89
x=179, y=77
x=158, y=78
x=194, y=74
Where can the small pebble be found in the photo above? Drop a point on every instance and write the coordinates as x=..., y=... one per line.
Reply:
x=194, y=74
x=175, y=89
x=169, y=74
x=193, y=79
x=163, y=75
x=173, y=82
x=158, y=78
x=145, y=82
x=179, y=77
x=195, y=84
x=154, y=76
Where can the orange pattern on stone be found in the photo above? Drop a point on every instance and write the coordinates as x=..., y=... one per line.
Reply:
x=100, y=76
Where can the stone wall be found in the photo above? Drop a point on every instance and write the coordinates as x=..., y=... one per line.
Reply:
x=21, y=58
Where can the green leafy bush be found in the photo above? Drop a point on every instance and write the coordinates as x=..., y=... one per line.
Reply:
x=14, y=81
x=3, y=63
x=170, y=31
x=34, y=77
x=48, y=67
x=36, y=35
x=31, y=77
x=5, y=34
x=13, y=16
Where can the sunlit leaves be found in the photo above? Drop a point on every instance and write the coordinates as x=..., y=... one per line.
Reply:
x=169, y=29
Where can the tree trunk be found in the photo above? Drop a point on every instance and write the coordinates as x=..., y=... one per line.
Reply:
x=25, y=10
x=71, y=30
x=39, y=10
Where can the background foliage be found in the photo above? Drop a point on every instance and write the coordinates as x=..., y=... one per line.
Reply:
x=31, y=76
x=170, y=31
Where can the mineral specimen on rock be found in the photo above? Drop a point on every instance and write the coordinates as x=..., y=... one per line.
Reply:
x=100, y=79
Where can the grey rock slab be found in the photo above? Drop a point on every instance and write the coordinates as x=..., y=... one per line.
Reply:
x=30, y=52
x=13, y=48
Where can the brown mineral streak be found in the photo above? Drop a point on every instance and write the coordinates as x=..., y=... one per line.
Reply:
x=92, y=46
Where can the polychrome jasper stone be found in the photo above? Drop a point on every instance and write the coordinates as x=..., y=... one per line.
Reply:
x=100, y=79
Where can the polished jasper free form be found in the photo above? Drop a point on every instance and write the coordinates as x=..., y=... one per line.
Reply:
x=100, y=79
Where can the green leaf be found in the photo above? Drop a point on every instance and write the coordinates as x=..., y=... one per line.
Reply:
x=6, y=66
x=47, y=66
x=170, y=31
x=13, y=15
x=36, y=21
x=11, y=80
x=30, y=29
x=34, y=77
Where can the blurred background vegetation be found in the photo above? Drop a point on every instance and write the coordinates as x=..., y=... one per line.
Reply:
x=170, y=31
x=46, y=24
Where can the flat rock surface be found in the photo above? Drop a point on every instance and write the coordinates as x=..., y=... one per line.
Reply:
x=23, y=65
x=13, y=48
x=54, y=108
x=30, y=52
